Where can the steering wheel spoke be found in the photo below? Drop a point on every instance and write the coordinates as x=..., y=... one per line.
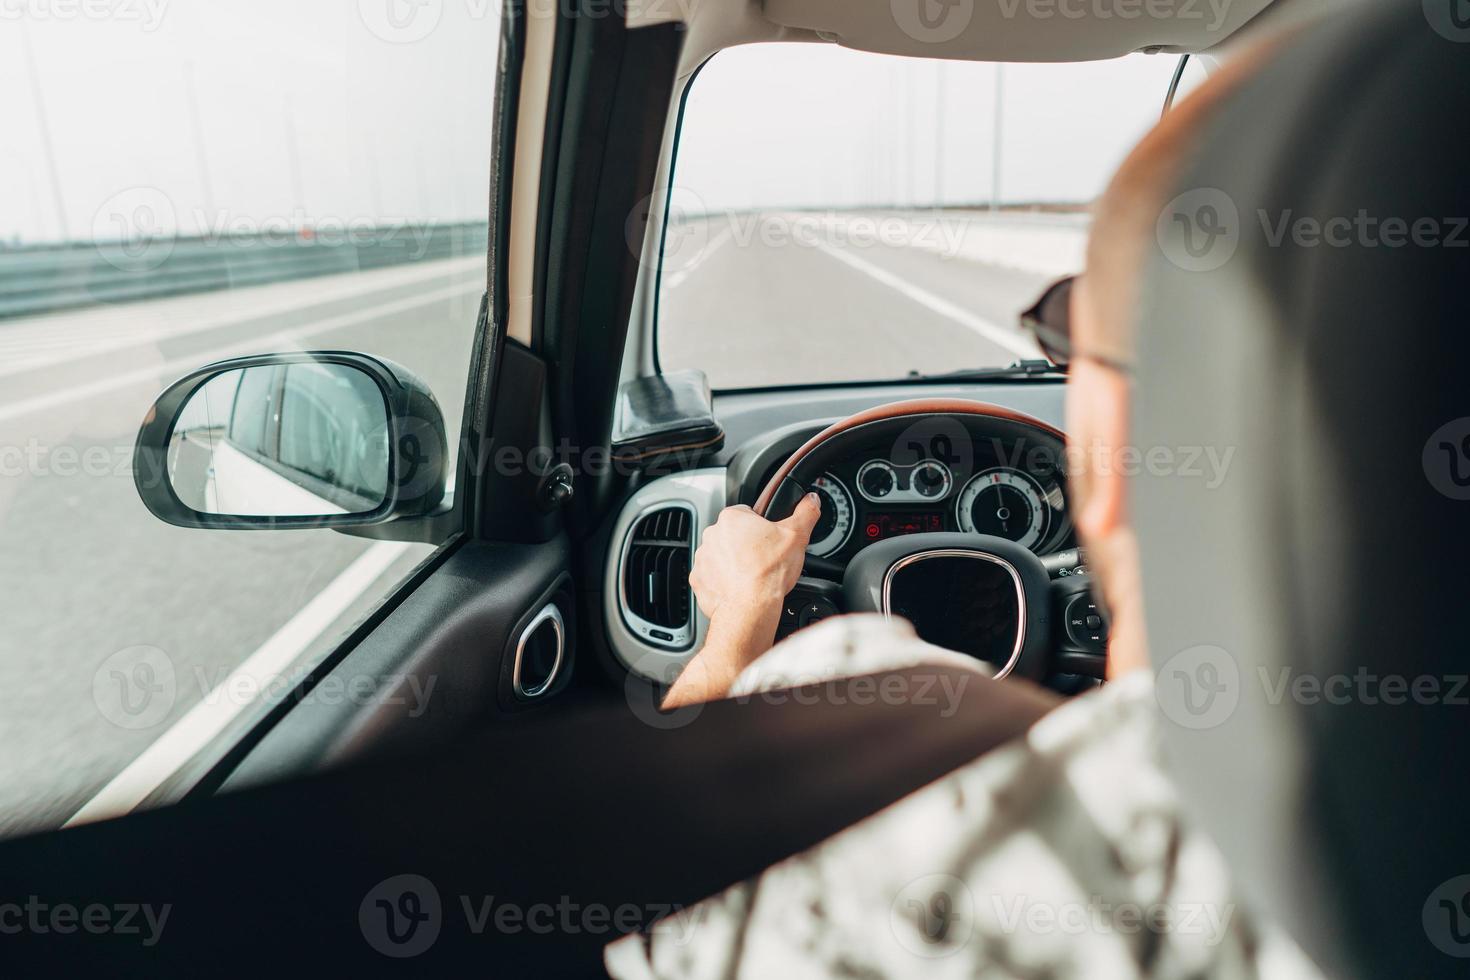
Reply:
x=813, y=600
x=823, y=568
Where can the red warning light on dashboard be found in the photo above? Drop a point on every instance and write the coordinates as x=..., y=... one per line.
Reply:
x=881, y=526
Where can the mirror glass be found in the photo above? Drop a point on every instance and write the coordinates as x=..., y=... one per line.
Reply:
x=282, y=440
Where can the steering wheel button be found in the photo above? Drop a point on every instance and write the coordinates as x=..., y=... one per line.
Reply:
x=814, y=611
x=1085, y=624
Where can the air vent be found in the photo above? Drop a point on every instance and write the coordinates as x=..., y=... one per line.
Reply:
x=657, y=603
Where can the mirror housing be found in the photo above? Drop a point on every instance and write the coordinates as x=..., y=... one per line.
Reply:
x=413, y=439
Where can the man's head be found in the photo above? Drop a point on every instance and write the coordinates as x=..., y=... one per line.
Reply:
x=1103, y=307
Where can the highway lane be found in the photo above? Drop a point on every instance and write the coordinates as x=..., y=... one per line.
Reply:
x=806, y=298
x=88, y=572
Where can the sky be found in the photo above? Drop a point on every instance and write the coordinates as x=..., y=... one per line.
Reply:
x=229, y=114
x=799, y=125
x=240, y=111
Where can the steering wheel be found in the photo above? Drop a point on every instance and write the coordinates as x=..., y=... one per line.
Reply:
x=982, y=594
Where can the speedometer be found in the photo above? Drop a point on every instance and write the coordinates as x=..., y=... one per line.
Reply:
x=1006, y=503
x=834, y=527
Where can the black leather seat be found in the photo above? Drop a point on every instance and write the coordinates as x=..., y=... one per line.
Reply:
x=1330, y=358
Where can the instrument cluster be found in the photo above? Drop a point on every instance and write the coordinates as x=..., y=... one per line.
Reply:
x=1002, y=492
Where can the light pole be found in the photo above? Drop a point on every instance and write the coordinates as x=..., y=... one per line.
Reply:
x=43, y=123
x=938, y=134
x=293, y=159
x=202, y=157
x=996, y=156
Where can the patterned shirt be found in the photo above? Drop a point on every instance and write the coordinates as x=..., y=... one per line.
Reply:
x=1061, y=854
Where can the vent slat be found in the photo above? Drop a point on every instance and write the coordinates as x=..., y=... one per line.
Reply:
x=658, y=587
x=656, y=568
x=678, y=588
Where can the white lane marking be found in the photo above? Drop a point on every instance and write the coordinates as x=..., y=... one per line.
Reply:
x=41, y=341
x=1011, y=340
x=262, y=671
x=181, y=365
x=674, y=280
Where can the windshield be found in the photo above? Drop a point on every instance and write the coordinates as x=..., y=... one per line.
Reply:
x=841, y=216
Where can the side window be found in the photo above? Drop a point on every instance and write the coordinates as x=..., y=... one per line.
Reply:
x=182, y=183
x=251, y=409
x=328, y=434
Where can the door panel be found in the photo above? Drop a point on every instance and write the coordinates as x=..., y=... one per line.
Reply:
x=437, y=664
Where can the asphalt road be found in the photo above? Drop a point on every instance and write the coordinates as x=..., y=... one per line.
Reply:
x=89, y=576
x=801, y=298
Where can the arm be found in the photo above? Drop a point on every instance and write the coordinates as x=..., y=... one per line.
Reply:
x=742, y=571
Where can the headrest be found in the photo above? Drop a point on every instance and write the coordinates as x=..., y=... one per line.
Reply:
x=1305, y=325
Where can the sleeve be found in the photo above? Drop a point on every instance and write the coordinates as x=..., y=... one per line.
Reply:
x=845, y=646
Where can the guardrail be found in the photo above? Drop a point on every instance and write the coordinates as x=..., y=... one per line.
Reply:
x=49, y=278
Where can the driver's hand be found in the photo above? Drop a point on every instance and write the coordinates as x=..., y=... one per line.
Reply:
x=747, y=564
x=743, y=569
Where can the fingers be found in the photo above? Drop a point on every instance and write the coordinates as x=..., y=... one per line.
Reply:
x=805, y=517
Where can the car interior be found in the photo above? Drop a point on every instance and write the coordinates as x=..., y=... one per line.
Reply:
x=557, y=610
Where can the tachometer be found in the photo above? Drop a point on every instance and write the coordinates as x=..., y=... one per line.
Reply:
x=1006, y=503
x=835, y=525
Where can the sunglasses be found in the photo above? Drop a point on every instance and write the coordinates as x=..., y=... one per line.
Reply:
x=1049, y=320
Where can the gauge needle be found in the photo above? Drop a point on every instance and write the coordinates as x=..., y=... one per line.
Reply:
x=1001, y=512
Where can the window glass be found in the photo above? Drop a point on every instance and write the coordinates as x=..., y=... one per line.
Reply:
x=181, y=183
x=332, y=429
x=253, y=401
x=839, y=215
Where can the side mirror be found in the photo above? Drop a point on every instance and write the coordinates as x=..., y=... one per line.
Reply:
x=273, y=441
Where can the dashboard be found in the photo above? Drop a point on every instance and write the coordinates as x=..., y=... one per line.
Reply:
x=939, y=473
